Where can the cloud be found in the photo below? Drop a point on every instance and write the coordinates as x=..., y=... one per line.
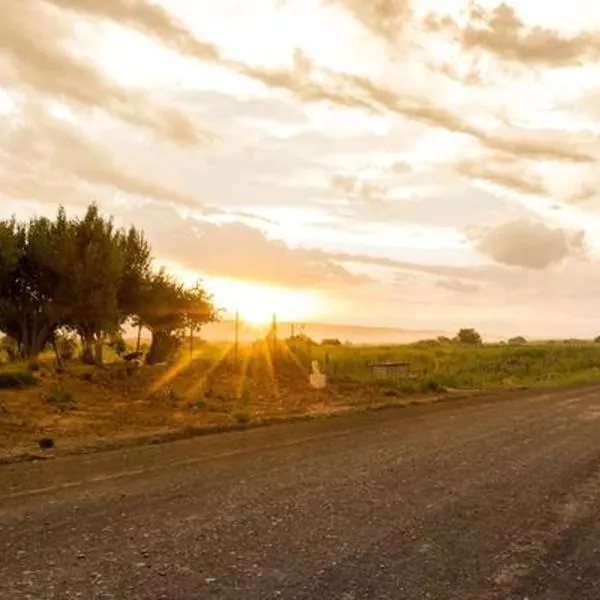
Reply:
x=586, y=193
x=457, y=285
x=537, y=146
x=303, y=80
x=528, y=244
x=384, y=18
x=58, y=149
x=43, y=63
x=156, y=22
x=501, y=33
x=355, y=188
x=239, y=251
x=401, y=168
x=504, y=173
x=148, y=18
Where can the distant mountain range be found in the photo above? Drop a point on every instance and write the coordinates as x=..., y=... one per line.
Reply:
x=357, y=334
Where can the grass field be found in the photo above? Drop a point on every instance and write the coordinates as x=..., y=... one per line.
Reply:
x=472, y=367
x=84, y=405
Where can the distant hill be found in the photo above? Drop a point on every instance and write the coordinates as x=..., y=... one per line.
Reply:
x=225, y=331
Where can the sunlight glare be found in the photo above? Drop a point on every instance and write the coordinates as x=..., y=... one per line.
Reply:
x=257, y=303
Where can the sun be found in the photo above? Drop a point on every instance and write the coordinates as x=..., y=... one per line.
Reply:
x=256, y=304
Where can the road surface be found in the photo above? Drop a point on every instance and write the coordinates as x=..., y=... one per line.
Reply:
x=480, y=499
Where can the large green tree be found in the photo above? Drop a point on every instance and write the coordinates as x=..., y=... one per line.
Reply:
x=94, y=281
x=137, y=260
x=34, y=295
x=168, y=309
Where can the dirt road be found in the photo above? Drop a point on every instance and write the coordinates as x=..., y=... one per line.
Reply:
x=469, y=500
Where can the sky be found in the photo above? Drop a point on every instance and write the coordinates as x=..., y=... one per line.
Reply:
x=419, y=164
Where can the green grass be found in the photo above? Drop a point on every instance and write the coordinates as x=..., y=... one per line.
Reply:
x=470, y=367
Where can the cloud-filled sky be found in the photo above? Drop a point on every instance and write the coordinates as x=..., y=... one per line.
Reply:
x=416, y=164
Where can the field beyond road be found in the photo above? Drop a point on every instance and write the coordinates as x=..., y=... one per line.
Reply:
x=82, y=407
x=469, y=500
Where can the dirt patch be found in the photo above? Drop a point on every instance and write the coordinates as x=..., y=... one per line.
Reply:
x=85, y=409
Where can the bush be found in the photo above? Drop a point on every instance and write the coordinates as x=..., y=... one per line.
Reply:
x=9, y=348
x=431, y=385
x=34, y=365
x=468, y=336
x=60, y=398
x=242, y=415
x=118, y=345
x=17, y=380
x=331, y=342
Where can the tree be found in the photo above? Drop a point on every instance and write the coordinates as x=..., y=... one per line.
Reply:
x=137, y=258
x=468, y=336
x=10, y=249
x=94, y=281
x=518, y=340
x=331, y=342
x=168, y=309
x=34, y=292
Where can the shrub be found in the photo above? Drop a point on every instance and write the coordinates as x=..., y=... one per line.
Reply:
x=10, y=348
x=331, y=342
x=17, y=380
x=34, y=365
x=242, y=415
x=431, y=385
x=60, y=398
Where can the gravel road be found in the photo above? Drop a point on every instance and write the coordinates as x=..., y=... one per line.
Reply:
x=481, y=499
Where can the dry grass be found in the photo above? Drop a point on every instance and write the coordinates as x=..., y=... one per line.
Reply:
x=84, y=406
x=87, y=406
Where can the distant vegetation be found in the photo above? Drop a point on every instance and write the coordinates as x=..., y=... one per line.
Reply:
x=65, y=279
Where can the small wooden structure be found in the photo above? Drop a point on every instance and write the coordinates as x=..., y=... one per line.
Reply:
x=390, y=370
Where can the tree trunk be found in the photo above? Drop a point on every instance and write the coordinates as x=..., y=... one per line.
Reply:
x=87, y=353
x=163, y=347
x=59, y=360
x=99, y=347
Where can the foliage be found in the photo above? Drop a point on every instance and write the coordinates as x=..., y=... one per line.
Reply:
x=331, y=342
x=519, y=340
x=10, y=348
x=168, y=309
x=118, y=345
x=17, y=380
x=85, y=276
x=468, y=336
x=35, y=292
x=60, y=398
x=242, y=415
x=94, y=281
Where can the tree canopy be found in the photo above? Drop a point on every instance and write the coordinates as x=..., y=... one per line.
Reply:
x=87, y=276
x=468, y=336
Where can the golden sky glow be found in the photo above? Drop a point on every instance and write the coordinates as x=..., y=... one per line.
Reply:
x=412, y=163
